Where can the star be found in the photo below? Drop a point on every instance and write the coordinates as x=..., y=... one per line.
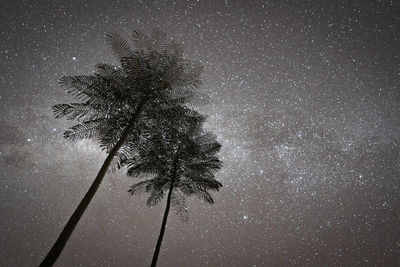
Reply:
x=304, y=98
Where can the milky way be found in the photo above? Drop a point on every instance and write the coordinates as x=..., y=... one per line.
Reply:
x=305, y=101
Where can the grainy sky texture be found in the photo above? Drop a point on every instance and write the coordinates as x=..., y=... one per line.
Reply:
x=306, y=103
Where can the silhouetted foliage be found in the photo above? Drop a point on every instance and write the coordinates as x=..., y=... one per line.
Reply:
x=154, y=74
x=195, y=158
x=181, y=158
x=153, y=80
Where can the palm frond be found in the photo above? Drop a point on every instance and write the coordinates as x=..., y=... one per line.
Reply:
x=140, y=187
x=108, y=70
x=87, y=129
x=141, y=168
x=74, y=111
x=209, y=166
x=79, y=86
x=96, y=91
x=174, y=49
x=202, y=183
x=126, y=151
x=155, y=197
x=204, y=195
x=158, y=38
x=109, y=136
x=119, y=45
x=211, y=148
x=140, y=40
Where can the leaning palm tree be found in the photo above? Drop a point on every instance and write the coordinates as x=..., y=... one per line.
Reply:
x=152, y=76
x=182, y=160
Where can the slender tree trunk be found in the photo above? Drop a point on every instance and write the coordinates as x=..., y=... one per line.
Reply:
x=62, y=239
x=164, y=222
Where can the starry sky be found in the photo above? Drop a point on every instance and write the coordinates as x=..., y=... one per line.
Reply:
x=305, y=101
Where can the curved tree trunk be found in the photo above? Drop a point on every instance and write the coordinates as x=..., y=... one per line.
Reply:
x=62, y=239
x=164, y=221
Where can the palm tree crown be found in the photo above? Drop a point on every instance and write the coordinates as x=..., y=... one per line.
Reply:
x=184, y=156
x=154, y=75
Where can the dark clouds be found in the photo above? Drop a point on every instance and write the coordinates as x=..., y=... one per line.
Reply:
x=305, y=102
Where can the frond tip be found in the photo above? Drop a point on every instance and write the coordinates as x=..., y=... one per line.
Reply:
x=205, y=196
x=139, y=187
x=154, y=198
x=119, y=45
x=87, y=129
x=71, y=111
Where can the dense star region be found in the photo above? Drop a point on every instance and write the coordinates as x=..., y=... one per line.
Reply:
x=305, y=102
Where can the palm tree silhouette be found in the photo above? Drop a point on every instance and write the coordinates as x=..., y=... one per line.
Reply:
x=153, y=76
x=182, y=158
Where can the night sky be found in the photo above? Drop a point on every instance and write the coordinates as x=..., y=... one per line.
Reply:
x=305, y=101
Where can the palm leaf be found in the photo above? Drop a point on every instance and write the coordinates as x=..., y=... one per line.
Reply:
x=73, y=111
x=204, y=195
x=140, y=40
x=87, y=129
x=155, y=197
x=119, y=45
x=140, y=187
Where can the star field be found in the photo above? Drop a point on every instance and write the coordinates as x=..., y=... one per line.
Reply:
x=305, y=100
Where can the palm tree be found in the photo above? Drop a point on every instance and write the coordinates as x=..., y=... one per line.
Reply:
x=153, y=76
x=182, y=158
